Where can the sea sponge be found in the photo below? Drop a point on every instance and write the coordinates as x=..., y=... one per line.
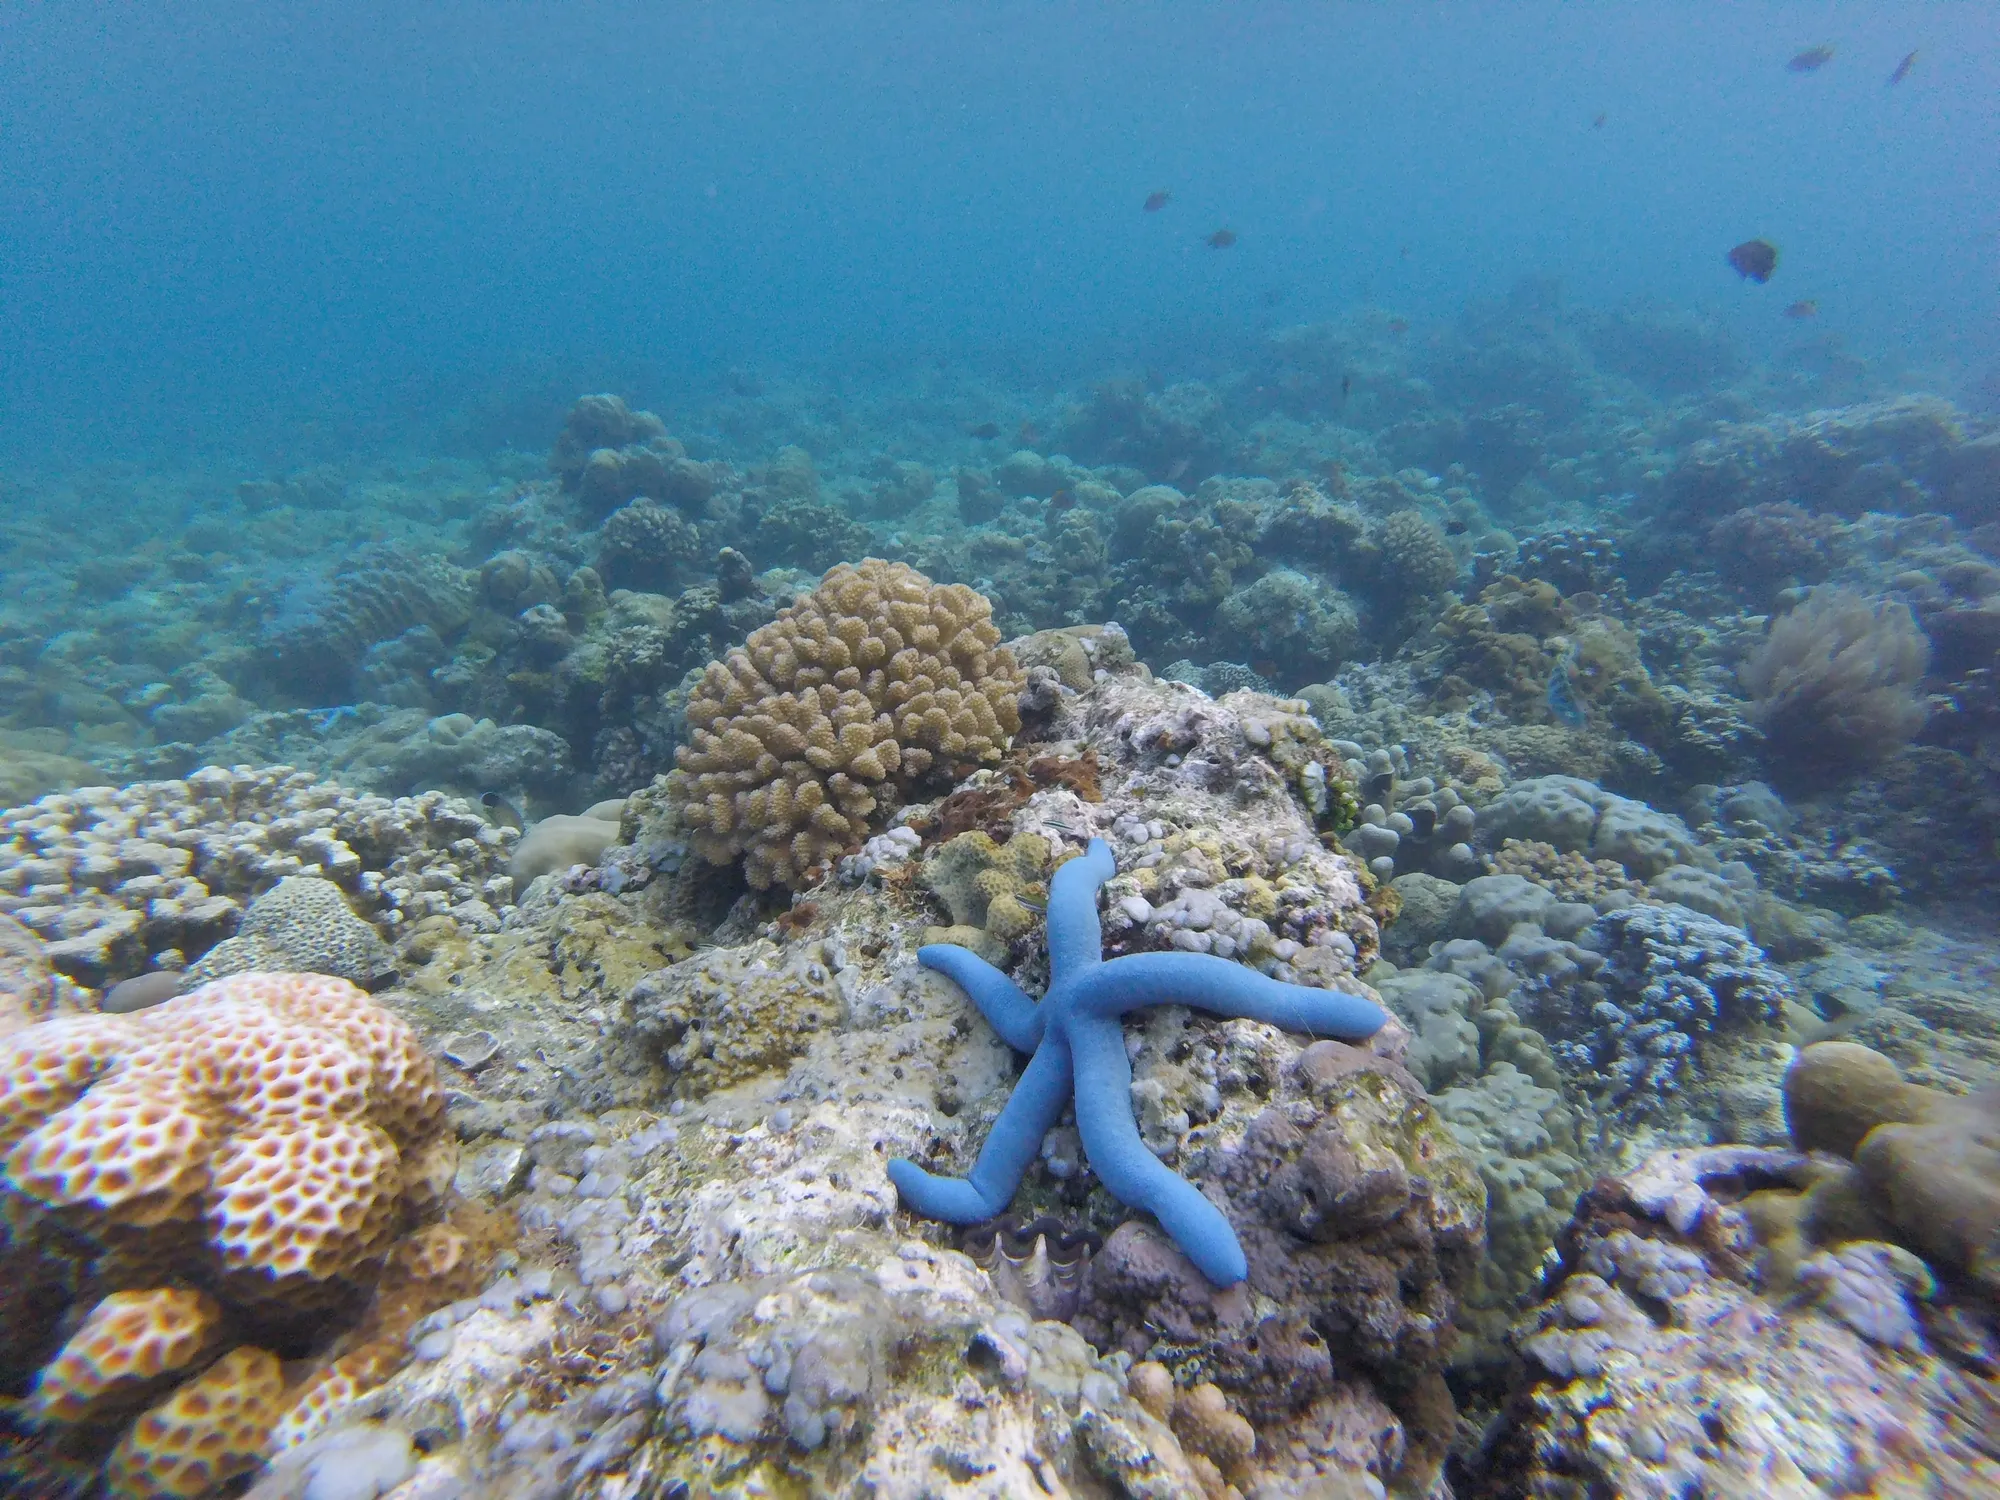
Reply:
x=279, y=1124
x=848, y=699
x=125, y=1345
x=208, y=1431
x=1834, y=686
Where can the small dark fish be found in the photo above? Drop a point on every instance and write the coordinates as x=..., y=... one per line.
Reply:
x=1273, y=296
x=1562, y=692
x=1399, y=325
x=1402, y=252
x=1063, y=499
x=500, y=812
x=1028, y=434
x=1346, y=386
x=985, y=431
x=1811, y=60
x=1755, y=260
x=1456, y=527
x=1902, y=70
x=1806, y=309
x=1157, y=201
x=1222, y=239
x=1264, y=667
x=1597, y=120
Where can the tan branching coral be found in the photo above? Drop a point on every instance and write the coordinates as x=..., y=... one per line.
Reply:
x=275, y=1127
x=1835, y=683
x=839, y=706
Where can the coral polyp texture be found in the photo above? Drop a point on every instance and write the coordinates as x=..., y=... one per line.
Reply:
x=271, y=1128
x=1079, y=1052
x=835, y=711
x=124, y=1345
x=208, y=1431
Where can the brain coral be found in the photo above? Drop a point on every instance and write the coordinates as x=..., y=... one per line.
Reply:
x=850, y=697
x=267, y=1131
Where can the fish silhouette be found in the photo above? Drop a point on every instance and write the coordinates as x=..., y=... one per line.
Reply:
x=1562, y=699
x=1755, y=260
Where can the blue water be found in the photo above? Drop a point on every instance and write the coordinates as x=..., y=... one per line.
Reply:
x=276, y=227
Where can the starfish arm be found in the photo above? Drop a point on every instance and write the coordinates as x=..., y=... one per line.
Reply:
x=1076, y=938
x=1007, y=1009
x=1225, y=988
x=1134, y=1175
x=1036, y=1104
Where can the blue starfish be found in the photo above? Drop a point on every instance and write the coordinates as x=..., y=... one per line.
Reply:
x=1075, y=1036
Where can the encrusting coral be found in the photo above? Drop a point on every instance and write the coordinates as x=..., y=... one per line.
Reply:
x=1079, y=1051
x=850, y=697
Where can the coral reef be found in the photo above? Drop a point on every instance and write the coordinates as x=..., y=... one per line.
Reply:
x=859, y=689
x=156, y=874
x=1631, y=1013
x=1657, y=1366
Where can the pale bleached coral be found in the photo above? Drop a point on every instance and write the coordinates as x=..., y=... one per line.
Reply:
x=118, y=880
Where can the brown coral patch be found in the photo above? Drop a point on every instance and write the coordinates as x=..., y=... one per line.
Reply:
x=989, y=807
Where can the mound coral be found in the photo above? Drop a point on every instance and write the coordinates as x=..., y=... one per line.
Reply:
x=848, y=699
x=264, y=1133
x=323, y=627
x=608, y=454
x=1417, y=560
x=209, y=1179
x=1301, y=626
x=1835, y=683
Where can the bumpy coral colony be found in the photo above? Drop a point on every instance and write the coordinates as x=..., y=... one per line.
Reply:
x=862, y=688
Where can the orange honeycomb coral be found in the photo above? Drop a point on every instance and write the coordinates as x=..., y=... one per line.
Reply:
x=128, y=1342
x=210, y=1430
x=277, y=1117
x=849, y=697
